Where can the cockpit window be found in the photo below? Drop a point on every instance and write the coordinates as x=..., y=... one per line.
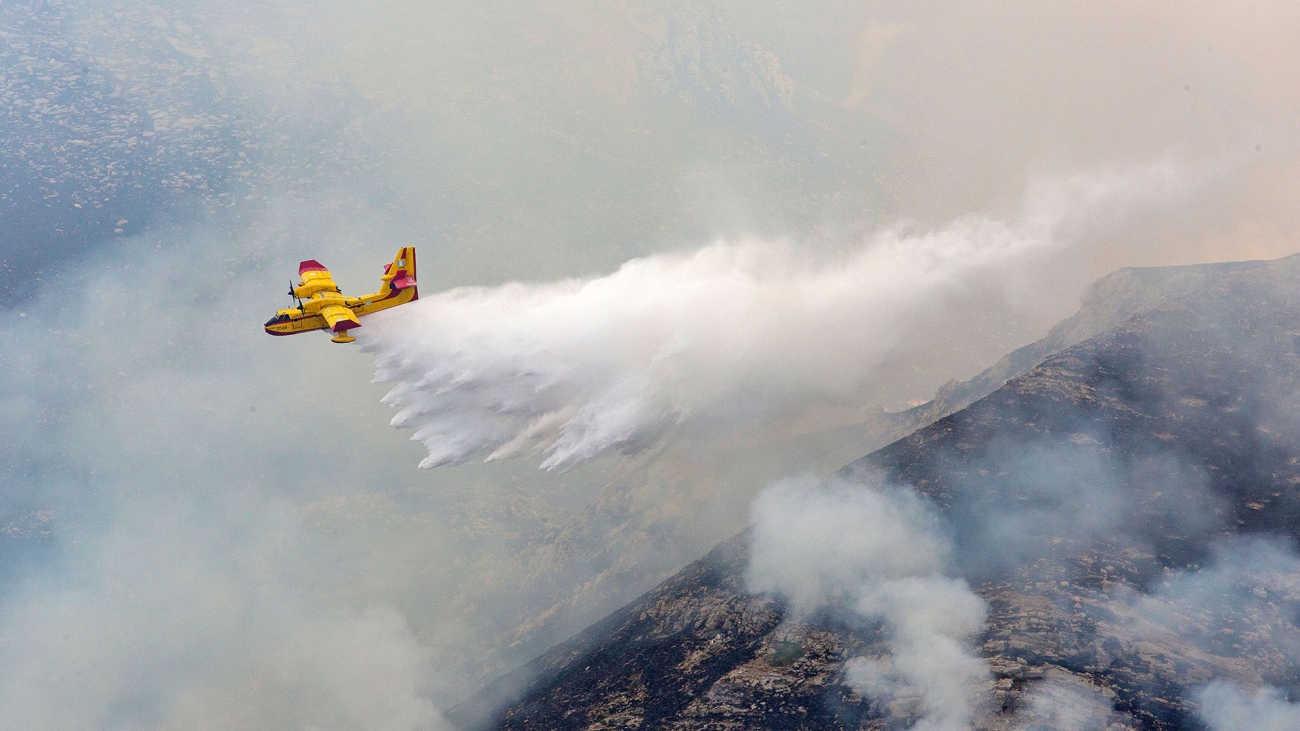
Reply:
x=277, y=319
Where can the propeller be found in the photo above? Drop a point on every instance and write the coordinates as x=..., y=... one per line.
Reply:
x=294, y=296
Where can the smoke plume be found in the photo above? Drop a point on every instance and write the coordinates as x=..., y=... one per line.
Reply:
x=880, y=554
x=1226, y=707
x=1245, y=600
x=159, y=479
x=1064, y=702
x=180, y=585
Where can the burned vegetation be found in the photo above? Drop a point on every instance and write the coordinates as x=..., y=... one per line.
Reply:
x=1126, y=509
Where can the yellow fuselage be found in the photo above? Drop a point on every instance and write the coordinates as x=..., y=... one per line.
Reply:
x=323, y=306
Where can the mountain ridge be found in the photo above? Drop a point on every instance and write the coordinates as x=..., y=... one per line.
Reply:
x=1099, y=398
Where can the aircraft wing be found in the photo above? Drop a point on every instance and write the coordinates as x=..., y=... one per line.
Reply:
x=339, y=318
x=315, y=278
x=311, y=265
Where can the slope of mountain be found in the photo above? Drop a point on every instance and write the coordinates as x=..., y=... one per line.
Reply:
x=634, y=534
x=1106, y=303
x=1081, y=495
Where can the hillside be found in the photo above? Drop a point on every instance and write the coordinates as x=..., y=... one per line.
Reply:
x=1081, y=496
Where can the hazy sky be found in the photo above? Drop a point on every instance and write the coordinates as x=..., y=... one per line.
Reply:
x=200, y=517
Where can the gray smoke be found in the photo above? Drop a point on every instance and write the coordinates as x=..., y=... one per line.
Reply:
x=1055, y=496
x=1227, y=707
x=879, y=553
x=178, y=581
x=1245, y=599
x=181, y=559
x=1064, y=702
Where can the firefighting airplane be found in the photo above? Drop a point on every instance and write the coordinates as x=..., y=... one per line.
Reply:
x=322, y=306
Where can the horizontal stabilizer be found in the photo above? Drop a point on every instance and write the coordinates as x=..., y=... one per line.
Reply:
x=403, y=280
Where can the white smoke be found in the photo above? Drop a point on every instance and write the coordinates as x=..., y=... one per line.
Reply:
x=730, y=333
x=878, y=552
x=1226, y=707
x=1065, y=702
x=190, y=591
x=1252, y=581
x=176, y=637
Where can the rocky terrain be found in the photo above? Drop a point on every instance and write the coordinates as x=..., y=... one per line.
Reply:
x=634, y=533
x=119, y=117
x=1105, y=304
x=1089, y=500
